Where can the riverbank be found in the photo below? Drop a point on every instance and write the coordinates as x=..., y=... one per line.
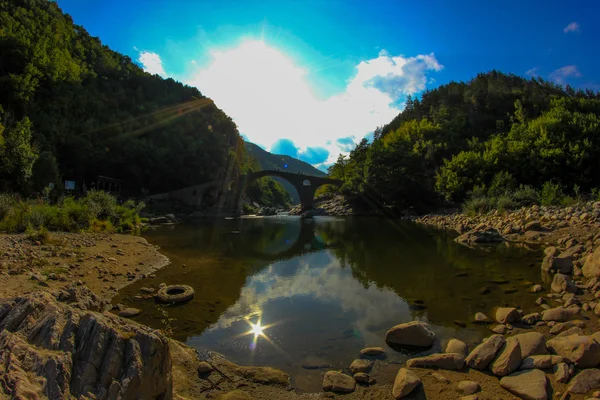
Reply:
x=571, y=298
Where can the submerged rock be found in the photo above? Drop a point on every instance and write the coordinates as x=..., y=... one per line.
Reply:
x=450, y=361
x=337, y=382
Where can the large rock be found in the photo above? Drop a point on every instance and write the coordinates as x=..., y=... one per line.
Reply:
x=531, y=343
x=489, y=235
x=451, y=361
x=506, y=315
x=60, y=351
x=591, y=267
x=406, y=381
x=415, y=333
x=528, y=385
x=540, y=362
x=563, y=372
x=334, y=381
x=561, y=283
x=585, y=381
x=583, y=351
x=361, y=365
x=562, y=264
x=560, y=314
x=508, y=358
x=483, y=354
x=457, y=346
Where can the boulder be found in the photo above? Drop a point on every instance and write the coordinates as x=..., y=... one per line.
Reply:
x=62, y=351
x=507, y=315
x=540, y=362
x=481, y=318
x=334, y=381
x=361, y=365
x=583, y=351
x=457, y=346
x=415, y=333
x=450, y=361
x=362, y=377
x=528, y=385
x=562, y=264
x=591, y=267
x=406, y=381
x=561, y=283
x=508, y=358
x=559, y=314
x=531, y=343
x=585, y=381
x=483, y=354
x=204, y=368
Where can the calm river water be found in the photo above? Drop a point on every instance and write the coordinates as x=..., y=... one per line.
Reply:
x=324, y=288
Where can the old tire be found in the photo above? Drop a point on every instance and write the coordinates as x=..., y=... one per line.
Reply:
x=175, y=294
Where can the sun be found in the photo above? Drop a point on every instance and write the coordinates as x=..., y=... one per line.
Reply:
x=256, y=329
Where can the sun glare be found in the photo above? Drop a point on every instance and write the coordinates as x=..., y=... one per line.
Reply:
x=256, y=329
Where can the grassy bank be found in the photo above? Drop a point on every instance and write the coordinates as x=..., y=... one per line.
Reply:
x=96, y=212
x=503, y=196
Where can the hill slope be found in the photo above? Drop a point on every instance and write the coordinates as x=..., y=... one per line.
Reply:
x=268, y=160
x=71, y=108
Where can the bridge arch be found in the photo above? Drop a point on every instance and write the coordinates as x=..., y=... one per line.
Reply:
x=305, y=192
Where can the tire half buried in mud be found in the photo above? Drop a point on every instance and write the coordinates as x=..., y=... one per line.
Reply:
x=175, y=294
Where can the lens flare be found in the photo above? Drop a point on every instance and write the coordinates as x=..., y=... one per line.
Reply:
x=256, y=329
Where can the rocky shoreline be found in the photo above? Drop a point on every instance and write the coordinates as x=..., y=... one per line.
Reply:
x=58, y=340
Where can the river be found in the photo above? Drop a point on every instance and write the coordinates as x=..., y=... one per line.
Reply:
x=305, y=295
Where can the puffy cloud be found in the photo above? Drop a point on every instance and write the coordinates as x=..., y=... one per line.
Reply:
x=568, y=71
x=572, y=27
x=269, y=98
x=285, y=147
x=152, y=63
x=314, y=155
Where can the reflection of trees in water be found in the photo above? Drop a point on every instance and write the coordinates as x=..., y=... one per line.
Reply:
x=421, y=263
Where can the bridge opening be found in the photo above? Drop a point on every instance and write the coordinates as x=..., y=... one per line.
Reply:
x=270, y=191
x=306, y=182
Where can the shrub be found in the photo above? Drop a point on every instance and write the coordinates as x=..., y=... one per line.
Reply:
x=37, y=235
x=478, y=205
x=551, y=194
x=525, y=196
x=505, y=203
x=502, y=183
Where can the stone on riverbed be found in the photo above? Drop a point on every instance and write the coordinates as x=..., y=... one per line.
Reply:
x=337, y=382
x=583, y=351
x=406, y=381
x=540, y=362
x=559, y=314
x=129, y=312
x=531, y=343
x=483, y=354
x=507, y=314
x=372, y=352
x=457, y=346
x=531, y=319
x=591, y=267
x=563, y=372
x=481, y=318
x=361, y=365
x=450, y=361
x=415, y=333
x=561, y=283
x=468, y=387
x=508, y=358
x=529, y=385
x=585, y=381
x=362, y=377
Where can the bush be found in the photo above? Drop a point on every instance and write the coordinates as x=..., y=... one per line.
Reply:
x=525, y=196
x=551, y=194
x=478, y=205
x=37, y=235
x=97, y=212
x=7, y=201
x=502, y=183
x=505, y=203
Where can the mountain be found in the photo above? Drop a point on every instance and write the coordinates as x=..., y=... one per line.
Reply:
x=268, y=160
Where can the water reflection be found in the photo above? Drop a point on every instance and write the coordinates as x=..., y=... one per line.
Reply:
x=302, y=294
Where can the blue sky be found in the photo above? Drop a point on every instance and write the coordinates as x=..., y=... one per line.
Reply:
x=311, y=78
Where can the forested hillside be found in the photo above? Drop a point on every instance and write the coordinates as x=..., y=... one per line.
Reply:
x=71, y=108
x=492, y=135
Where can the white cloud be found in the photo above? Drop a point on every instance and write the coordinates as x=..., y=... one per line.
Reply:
x=568, y=71
x=269, y=97
x=152, y=63
x=532, y=71
x=572, y=27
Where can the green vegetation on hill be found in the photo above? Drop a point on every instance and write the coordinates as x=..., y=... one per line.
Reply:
x=71, y=108
x=495, y=135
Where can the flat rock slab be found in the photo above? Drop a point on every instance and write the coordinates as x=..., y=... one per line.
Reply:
x=583, y=351
x=508, y=358
x=450, y=361
x=532, y=343
x=527, y=385
x=468, y=387
x=483, y=354
x=406, y=381
x=337, y=382
x=372, y=352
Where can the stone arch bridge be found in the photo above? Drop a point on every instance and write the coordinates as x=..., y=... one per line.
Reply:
x=231, y=191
